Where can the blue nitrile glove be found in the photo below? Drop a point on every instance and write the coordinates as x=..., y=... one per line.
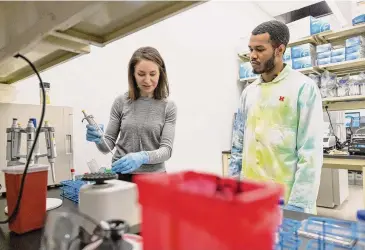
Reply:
x=130, y=162
x=92, y=133
x=294, y=208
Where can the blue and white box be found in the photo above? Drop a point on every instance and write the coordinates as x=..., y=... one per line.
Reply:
x=323, y=48
x=358, y=19
x=287, y=54
x=354, y=56
x=338, y=52
x=337, y=59
x=245, y=70
x=354, y=49
x=325, y=23
x=356, y=40
x=324, y=61
x=323, y=55
x=304, y=62
x=289, y=62
x=303, y=50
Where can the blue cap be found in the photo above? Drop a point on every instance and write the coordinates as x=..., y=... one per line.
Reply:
x=281, y=202
x=360, y=214
x=34, y=120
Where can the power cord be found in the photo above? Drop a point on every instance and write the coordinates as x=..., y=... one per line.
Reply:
x=17, y=206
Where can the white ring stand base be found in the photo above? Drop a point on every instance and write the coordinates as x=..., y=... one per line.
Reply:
x=51, y=203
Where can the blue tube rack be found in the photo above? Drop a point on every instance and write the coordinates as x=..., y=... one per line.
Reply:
x=288, y=238
x=70, y=189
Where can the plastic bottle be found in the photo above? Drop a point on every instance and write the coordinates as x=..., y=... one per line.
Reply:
x=360, y=229
x=72, y=174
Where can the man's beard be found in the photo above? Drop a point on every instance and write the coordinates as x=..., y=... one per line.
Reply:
x=269, y=66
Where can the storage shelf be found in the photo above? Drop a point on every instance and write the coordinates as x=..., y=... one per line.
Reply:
x=311, y=70
x=249, y=79
x=344, y=33
x=343, y=68
x=344, y=99
x=322, y=38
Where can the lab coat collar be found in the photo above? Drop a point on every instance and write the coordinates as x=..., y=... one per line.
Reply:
x=284, y=73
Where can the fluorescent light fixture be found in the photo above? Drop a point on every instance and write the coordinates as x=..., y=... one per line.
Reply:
x=337, y=12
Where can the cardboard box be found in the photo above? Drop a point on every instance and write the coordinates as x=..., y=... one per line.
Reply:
x=303, y=50
x=304, y=62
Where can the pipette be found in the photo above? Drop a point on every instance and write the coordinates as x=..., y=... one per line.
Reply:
x=91, y=121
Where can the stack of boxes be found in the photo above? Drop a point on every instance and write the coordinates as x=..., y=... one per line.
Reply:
x=324, y=54
x=246, y=70
x=338, y=55
x=355, y=48
x=303, y=56
x=287, y=57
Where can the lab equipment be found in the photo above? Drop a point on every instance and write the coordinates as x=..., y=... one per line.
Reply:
x=91, y=121
x=106, y=198
x=14, y=136
x=71, y=230
x=246, y=204
x=329, y=139
x=130, y=162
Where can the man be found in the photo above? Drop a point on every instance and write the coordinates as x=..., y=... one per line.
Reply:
x=278, y=128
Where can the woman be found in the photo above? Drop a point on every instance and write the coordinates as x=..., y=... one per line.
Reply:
x=144, y=119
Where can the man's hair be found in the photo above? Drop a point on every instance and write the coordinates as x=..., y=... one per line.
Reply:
x=278, y=31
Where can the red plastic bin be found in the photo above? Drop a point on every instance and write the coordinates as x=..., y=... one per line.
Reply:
x=32, y=211
x=195, y=211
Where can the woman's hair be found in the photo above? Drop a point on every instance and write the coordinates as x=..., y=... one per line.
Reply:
x=150, y=54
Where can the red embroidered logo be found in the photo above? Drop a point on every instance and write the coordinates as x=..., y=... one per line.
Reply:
x=281, y=98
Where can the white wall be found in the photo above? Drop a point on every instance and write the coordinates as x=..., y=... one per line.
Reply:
x=199, y=47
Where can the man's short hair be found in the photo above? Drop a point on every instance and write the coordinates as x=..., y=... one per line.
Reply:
x=278, y=31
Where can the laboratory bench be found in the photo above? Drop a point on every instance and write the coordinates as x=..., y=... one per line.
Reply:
x=348, y=162
x=32, y=240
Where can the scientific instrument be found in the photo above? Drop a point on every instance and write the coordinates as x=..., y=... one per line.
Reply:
x=13, y=149
x=329, y=140
x=14, y=136
x=357, y=144
x=72, y=230
x=91, y=121
x=109, y=199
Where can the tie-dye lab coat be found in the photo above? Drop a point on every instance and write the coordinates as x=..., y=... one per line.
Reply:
x=278, y=136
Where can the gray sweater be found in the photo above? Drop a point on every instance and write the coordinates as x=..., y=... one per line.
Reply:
x=147, y=125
